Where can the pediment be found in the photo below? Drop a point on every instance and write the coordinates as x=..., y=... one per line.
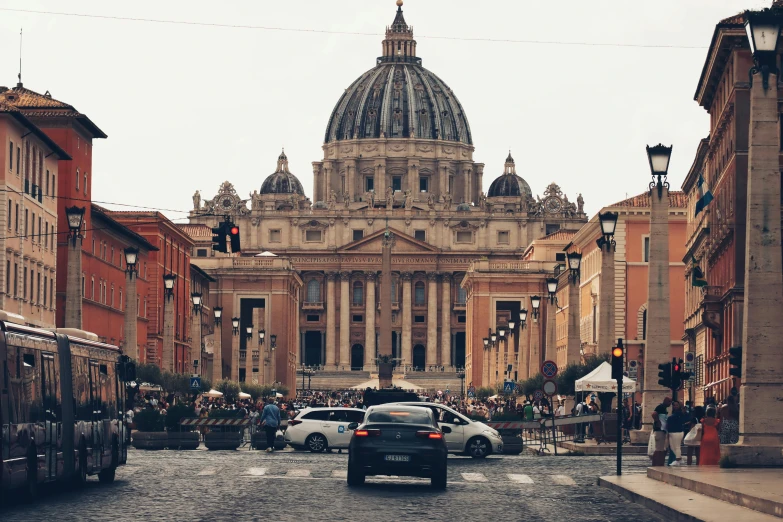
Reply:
x=403, y=243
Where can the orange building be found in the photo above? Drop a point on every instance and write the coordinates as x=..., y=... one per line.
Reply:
x=631, y=274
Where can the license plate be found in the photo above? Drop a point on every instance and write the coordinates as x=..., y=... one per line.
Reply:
x=397, y=458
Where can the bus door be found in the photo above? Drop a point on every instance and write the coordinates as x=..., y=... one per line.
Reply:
x=52, y=424
x=96, y=401
x=123, y=428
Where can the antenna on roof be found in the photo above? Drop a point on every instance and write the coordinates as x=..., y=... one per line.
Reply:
x=19, y=84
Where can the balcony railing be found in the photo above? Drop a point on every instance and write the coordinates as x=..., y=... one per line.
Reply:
x=312, y=305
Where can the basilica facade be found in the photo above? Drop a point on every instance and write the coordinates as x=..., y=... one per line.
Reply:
x=398, y=155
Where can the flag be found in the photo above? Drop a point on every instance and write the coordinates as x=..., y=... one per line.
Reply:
x=697, y=275
x=705, y=196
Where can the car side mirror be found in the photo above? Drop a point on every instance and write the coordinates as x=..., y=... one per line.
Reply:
x=352, y=426
x=445, y=429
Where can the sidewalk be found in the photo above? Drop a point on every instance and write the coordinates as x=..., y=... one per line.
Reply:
x=705, y=493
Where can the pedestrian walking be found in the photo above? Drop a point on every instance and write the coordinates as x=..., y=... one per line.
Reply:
x=658, y=444
x=709, y=454
x=270, y=420
x=674, y=428
x=729, y=421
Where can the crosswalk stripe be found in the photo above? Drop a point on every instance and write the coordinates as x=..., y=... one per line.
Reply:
x=474, y=477
x=339, y=473
x=207, y=471
x=298, y=473
x=563, y=480
x=256, y=472
x=520, y=479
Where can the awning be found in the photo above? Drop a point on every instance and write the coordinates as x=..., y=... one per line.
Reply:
x=710, y=385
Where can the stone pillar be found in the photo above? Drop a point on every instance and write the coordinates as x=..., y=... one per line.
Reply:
x=445, y=327
x=551, y=330
x=606, y=297
x=73, y=289
x=413, y=179
x=369, y=321
x=195, y=343
x=168, y=333
x=131, y=315
x=574, y=334
x=235, y=356
x=345, y=325
x=405, y=310
x=250, y=345
x=217, y=354
x=658, y=347
x=535, y=359
x=761, y=426
x=524, y=349
x=331, y=305
x=432, y=319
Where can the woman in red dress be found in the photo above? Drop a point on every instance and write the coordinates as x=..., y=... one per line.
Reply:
x=710, y=441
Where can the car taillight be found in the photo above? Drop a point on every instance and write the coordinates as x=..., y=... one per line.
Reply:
x=429, y=435
x=367, y=433
x=294, y=422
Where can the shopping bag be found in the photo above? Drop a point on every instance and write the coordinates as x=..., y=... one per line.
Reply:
x=651, y=444
x=693, y=438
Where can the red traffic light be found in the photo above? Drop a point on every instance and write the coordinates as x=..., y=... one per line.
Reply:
x=676, y=368
x=234, y=230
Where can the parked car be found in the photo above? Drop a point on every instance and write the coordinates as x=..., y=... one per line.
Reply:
x=318, y=429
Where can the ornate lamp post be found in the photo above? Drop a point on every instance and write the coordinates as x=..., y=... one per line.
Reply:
x=763, y=29
x=551, y=312
x=195, y=325
x=535, y=302
x=261, y=336
x=273, y=362
x=168, y=322
x=235, y=349
x=249, y=332
x=523, y=319
x=574, y=339
x=73, y=289
x=574, y=265
x=131, y=309
x=235, y=325
x=608, y=222
x=217, y=356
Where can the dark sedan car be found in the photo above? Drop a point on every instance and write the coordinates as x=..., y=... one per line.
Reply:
x=397, y=440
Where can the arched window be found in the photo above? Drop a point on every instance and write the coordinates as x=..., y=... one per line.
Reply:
x=358, y=294
x=313, y=291
x=418, y=291
x=394, y=286
x=462, y=295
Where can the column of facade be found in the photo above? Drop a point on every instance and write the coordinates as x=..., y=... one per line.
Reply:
x=167, y=355
x=380, y=179
x=551, y=330
x=345, y=328
x=524, y=350
x=234, y=356
x=73, y=289
x=413, y=178
x=217, y=353
x=432, y=319
x=606, y=298
x=574, y=335
x=405, y=310
x=535, y=359
x=250, y=345
x=369, y=321
x=331, y=305
x=445, y=327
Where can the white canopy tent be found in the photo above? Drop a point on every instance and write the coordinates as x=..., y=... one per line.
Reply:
x=600, y=380
x=213, y=393
x=243, y=395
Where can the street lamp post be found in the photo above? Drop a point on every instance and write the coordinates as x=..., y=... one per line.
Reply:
x=272, y=356
x=195, y=335
x=74, y=288
x=168, y=322
x=551, y=319
x=131, y=309
x=217, y=355
x=574, y=340
x=248, y=353
x=606, y=243
x=235, y=349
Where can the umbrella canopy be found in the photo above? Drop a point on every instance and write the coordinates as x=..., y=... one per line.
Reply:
x=243, y=395
x=600, y=380
x=278, y=395
x=213, y=393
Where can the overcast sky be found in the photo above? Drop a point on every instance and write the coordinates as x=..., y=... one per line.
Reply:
x=188, y=106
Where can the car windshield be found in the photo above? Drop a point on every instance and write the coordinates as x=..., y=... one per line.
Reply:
x=399, y=417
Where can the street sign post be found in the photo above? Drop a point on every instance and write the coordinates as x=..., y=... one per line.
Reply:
x=195, y=383
x=690, y=357
x=538, y=395
x=633, y=368
x=549, y=388
x=508, y=387
x=549, y=369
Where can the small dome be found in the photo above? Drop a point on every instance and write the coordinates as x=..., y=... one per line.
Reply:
x=463, y=207
x=282, y=181
x=509, y=184
x=320, y=205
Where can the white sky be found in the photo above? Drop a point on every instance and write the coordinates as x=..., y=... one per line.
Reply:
x=187, y=107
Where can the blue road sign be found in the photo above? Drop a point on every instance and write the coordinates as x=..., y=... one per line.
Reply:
x=471, y=394
x=195, y=383
x=448, y=391
x=508, y=387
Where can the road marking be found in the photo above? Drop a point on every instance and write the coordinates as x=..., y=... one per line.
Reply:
x=474, y=477
x=207, y=471
x=563, y=480
x=256, y=472
x=298, y=473
x=339, y=473
x=520, y=479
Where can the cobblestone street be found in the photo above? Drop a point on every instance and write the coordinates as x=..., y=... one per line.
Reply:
x=244, y=485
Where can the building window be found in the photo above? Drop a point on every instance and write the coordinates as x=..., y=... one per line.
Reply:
x=8, y=277
x=369, y=184
x=32, y=229
x=396, y=183
x=358, y=318
x=464, y=236
x=46, y=236
x=503, y=237
x=84, y=288
x=462, y=295
x=47, y=183
x=313, y=318
x=358, y=294
x=51, y=292
x=11, y=156
x=40, y=230
x=24, y=284
x=461, y=319
x=54, y=187
x=121, y=303
x=646, y=251
x=421, y=235
x=10, y=206
x=16, y=217
x=112, y=296
x=552, y=228
x=92, y=288
x=313, y=291
x=424, y=184
x=85, y=183
x=275, y=236
x=358, y=234
x=418, y=319
x=313, y=236
x=77, y=179
x=16, y=280
x=418, y=293
x=46, y=283
x=18, y=159
x=26, y=219
x=201, y=252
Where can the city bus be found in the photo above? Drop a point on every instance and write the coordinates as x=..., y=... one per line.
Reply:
x=62, y=398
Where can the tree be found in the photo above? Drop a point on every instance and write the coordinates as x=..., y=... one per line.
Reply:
x=229, y=389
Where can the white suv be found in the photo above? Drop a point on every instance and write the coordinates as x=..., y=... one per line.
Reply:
x=467, y=437
x=317, y=429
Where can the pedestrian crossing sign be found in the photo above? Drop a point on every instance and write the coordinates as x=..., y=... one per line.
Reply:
x=195, y=383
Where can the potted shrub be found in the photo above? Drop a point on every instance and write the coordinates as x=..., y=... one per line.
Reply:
x=150, y=434
x=224, y=437
x=180, y=437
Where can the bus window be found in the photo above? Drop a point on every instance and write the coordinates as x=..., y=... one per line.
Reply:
x=32, y=406
x=81, y=388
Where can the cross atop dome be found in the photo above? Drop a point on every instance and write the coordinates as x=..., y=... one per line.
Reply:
x=399, y=45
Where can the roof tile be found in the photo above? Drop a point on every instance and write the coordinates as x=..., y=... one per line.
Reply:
x=677, y=198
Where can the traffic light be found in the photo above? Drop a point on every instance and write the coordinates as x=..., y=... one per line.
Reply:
x=618, y=365
x=676, y=380
x=665, y=375
x=233, y=232
x=735, y=359
x=219, y=234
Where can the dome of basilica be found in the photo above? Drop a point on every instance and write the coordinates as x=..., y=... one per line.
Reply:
x=282, y=181
x=398, y=98
x=509, y=184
